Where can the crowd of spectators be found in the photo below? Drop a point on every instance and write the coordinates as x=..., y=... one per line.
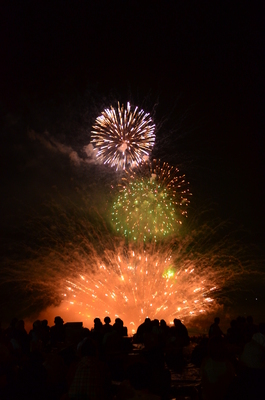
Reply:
x=68, y=361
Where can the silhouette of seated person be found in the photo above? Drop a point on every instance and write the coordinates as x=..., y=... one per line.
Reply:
x=92, y=377
x=215, y=329
x=217, y=371
x=57, y=332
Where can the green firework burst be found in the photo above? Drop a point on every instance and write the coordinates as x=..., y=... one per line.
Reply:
x=145, y=210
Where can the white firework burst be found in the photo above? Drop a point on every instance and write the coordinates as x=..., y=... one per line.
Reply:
x=123, y=137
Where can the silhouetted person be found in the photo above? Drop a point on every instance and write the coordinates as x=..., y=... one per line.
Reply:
x=233, y=334
x=145, y=327
x=107, y=327
x=45, y=331
x=155, y=326
x=35, y=336
x=180, y=332
x=118, y=326
x=57, y=332
x=97, y=331
x=22, y=336
x=92, y=378
x=215, y=329
x=250, y=329
x=164, y=328
x=97, y=325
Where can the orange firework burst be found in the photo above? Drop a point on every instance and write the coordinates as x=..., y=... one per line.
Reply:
x=149, y=282
x=68, y=258
x=123, y=137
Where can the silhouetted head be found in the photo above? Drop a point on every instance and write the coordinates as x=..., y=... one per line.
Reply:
x=177, y=322
x=58, y=320
x=97, y=323
x=217, y=320
x=118, y=322
x=107, y=320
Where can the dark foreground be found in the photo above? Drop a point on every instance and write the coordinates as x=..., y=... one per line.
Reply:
x=68, y=361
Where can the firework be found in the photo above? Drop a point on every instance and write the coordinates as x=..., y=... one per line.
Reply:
x=123, y=137
x=152, y=203
x=72, y=261
x=141, y=284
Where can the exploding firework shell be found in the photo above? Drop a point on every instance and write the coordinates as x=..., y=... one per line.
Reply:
x=152, y=202
x=142, y=283
x=123, y=137
x=71, y=258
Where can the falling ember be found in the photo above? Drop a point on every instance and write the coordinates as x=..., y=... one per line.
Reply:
x=123, y=137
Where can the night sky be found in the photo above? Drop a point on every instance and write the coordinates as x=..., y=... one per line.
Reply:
x=197, y=66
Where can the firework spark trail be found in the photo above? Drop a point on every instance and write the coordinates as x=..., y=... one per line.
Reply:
x=123, y=137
